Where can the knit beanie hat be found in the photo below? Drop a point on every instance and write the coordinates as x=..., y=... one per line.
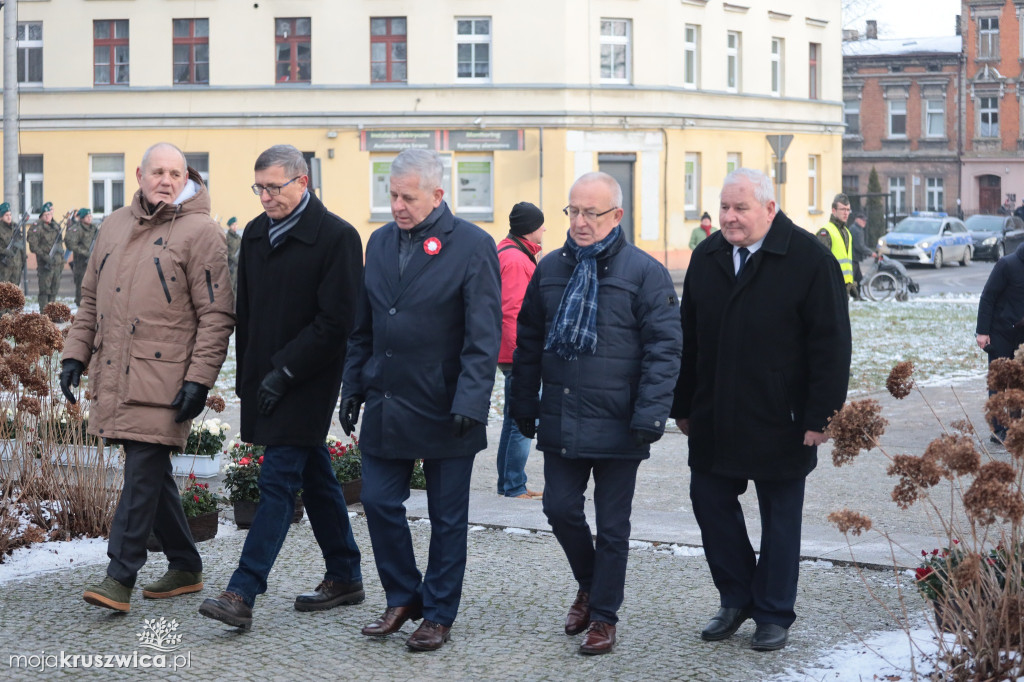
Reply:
x=524, y=219
x=232, y=220
x=82, y=212
x=4, y=208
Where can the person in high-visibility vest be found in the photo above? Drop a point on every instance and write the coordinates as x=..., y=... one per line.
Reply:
x=835, y=235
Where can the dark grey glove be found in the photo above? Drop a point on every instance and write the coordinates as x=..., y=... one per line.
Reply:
x=461, y=425
x=642, y=437
x=190, y=401
x=273, y=387
x=348, y=413
x=70, y=375
x=527, y=427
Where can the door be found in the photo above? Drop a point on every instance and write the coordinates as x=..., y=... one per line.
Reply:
x=990, y=192
x=620, y=167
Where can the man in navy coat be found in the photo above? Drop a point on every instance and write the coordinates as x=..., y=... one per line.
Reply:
x=422, y=360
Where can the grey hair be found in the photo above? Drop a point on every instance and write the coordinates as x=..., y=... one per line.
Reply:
x=422, y=163
x=161, y=145
x=763, y=189
x=288, y=157
x=598, y=176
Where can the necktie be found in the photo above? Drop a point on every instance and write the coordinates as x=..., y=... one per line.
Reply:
x=744, y=254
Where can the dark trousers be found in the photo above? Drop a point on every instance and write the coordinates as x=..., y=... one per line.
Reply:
x=49, y=282
x=599, y=568
x=78, y=267
x=150, y=502
x=767, y=585
x=385, y=490
x=286, y=469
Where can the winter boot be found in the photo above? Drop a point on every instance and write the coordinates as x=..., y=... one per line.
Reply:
x=173, y=583
x=110, y=594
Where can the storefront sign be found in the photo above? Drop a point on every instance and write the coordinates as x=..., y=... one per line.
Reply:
x=441, y=140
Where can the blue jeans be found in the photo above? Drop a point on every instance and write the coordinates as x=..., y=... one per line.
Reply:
x=286, y=469
x=513, y=450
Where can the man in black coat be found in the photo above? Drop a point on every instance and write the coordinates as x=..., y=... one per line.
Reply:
x=422, y=358
x=766, y=362
x=299, y=275
x=1000, y=312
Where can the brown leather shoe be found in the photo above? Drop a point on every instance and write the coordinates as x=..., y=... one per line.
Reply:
x=393, y=619
x=600, y=638
x=429, y=636
x=331, y=593
x=228, y=608
x=579, y=614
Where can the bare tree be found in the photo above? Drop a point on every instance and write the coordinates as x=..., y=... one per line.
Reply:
x=855, y=12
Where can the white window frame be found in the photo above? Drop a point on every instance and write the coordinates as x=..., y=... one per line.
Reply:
x=851, y=107
x=473, y=40
x=380, y=185
x=733, y=63
x=26, y=46
x=108, y=178
x=934, y=194
x=988, y=37
x=26, y=182
x=813, y=187
x=814, y=71
x=616, y=43
x=691, y=183
x=898, y=194
x=733, y=160
x=778, y=62
x=934, y=109
x=191, y=157
x=897, y=107
x=691, y=56
x=988, y=106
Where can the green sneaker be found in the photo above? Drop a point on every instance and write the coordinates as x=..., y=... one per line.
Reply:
x=110, y=594
x=174, y=583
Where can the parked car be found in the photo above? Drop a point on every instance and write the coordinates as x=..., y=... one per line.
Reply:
x=995, y=235
x=928, y=239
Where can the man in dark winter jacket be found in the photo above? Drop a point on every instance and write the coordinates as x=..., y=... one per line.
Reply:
x=1000, y=314
x=599, y=328
x=298, y=282
x=766, y=362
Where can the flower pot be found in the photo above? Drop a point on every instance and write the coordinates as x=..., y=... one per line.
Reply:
x=352, y=490
x=203, y=466
x=85, y=455
x=202, y=527
x=245, y=511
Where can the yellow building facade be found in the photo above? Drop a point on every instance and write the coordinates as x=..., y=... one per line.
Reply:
x=519, y=98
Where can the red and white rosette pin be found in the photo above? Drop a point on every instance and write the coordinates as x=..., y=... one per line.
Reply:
x=432, y=246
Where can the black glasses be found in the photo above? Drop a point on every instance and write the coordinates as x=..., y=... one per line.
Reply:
x=272, y=190
x=589, y=216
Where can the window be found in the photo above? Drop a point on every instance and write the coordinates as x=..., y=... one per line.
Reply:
x=691, y=202
x=897, y=118
x=691, y=56
x=934, y=118
x=294, y=54
x=30, y=53
x=898, y=194
x=615, y=59
x=778, y=50
x=473, y=49
x=110, y=52
x=851, y=184
x=200, y=162
x=30, y=184
x=851, y=114
x=813, y=72
x=812, y=183
x=988, y=117
x=732, y=61
x=988, y=37
x=933, y=197
x=474, y=187
x=387, y=50
x=380, y=186
x=191, y=51
x=106, y=172
x=733, y=160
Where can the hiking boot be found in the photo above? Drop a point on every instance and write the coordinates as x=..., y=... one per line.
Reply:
x=110, y=594
x=228, y=608
x=173, y=583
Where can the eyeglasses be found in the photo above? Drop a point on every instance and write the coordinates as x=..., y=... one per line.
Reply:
x=589, y=216
x=272, y=190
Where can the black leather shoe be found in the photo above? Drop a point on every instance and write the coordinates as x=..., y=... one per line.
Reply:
x=329, y=594
x=724, y=624
x=228, y=608
x=393, y=619
x=429, y=636
x=769, y=637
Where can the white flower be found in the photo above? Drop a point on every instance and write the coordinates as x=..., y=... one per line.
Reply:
x=231, y=444
x=225, y=429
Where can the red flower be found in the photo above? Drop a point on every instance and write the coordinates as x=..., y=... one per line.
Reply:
x=923, y=572
x=192, y=477
x=432, y=246
x=260, y=460
x=195, y=497
x=244, y=461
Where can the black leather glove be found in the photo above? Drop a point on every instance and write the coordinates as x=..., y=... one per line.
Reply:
x=348, y=413
x=70, y=375
x=461, y=425
x=190, y=401
x=527, y=427
x=642, y=437
x=273, y=387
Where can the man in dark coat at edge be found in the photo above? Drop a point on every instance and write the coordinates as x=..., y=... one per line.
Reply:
x=1000, y=328
x=422, y=358
x=599, y=328
x=766, y=362
x=299, y=276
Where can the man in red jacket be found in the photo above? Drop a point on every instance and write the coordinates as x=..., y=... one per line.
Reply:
x=517, y=256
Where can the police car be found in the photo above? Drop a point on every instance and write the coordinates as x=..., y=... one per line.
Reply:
x=928, y=238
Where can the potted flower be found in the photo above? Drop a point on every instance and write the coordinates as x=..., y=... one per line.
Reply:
x=201, y=455
x=200, y=506
x=347, y=463
x=241, y=480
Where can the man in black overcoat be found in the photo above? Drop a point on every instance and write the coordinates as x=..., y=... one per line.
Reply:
x=422, y=360
x=299, y=274
x=1000, y=331
x=766, y=362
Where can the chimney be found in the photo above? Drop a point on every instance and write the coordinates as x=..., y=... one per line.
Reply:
x=871, y=32
x=958, y=25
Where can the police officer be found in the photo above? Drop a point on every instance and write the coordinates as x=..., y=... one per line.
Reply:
x=234, y=244
x=44, y=240
x=12, y=246
x=836, y=237
x=79, y=238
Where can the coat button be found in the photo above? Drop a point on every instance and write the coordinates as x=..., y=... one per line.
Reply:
x=387, y=353
x=101, y=430
x=563, y=451
x=117, y=289
x=392, y=311
x=565, y=391
x=657, y=423
x=108, y=362
x=157, y=354
x=387, y=394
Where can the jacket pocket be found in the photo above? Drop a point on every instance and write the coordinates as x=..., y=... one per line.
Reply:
x=156, y=371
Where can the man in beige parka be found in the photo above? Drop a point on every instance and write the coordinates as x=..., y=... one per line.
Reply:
x=153, y=328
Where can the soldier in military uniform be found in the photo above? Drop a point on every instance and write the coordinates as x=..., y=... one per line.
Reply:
x=79, y=238
x=12, y=247
x=44, y=240
x=234, y=244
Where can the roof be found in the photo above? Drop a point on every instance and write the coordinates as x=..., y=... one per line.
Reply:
x=902, y=46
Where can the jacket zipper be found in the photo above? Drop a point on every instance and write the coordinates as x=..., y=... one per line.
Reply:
x=209, y=285
x=163, y=282
x=102, y=263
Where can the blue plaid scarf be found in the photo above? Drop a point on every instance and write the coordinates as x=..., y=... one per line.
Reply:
x=574, y=329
